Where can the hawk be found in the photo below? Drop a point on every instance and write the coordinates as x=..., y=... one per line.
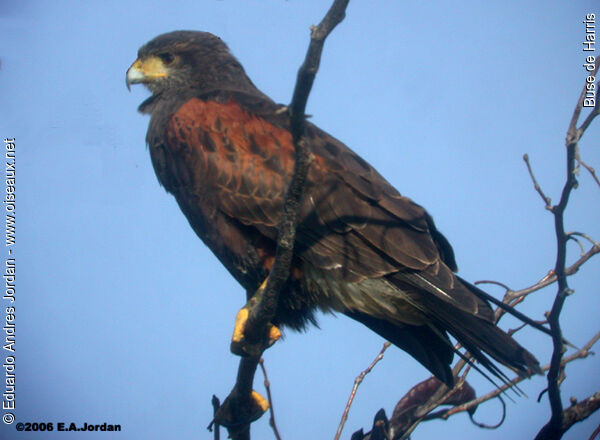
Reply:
x=224, y=150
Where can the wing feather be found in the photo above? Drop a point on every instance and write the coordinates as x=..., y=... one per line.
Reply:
x=353, y=223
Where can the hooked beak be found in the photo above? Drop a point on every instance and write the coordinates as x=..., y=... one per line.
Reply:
x=134, y=74
x=145, y=71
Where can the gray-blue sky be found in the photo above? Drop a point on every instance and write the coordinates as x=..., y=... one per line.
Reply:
x=124, y=316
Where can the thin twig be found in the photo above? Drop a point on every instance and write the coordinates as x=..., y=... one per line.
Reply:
x=271, y=409
x=497, y=425
x=512, y=331
x=590, y=117
x=576, y=240
x=590, y=169
x=574, y=133
x=550, y=278
x=497, y=283
x=216, y=404
x=536, y=185
x=586, y=236
x=215, y=427
x=357, y=382
x=595, y=433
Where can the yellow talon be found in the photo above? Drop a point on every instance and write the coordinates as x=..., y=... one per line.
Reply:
x=239, y=344
x=240, y=325
x=260, y=401
x=274, y=334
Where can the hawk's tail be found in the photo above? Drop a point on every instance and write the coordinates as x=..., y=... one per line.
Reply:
x=482, y=338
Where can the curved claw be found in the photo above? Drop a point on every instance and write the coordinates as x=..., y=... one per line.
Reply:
x=239, y=344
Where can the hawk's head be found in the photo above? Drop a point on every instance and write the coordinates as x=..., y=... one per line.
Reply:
x=187, y=60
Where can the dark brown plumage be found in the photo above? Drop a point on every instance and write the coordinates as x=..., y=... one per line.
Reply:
x=224, y=150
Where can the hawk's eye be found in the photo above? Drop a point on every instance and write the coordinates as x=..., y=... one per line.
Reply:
x=167, y=58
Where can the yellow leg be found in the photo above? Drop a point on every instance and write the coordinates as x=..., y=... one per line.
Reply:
x=239, y=345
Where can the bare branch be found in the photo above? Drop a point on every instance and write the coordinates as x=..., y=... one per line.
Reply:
x=550, y=278
x=497, y=283
x=583, y=235
x=576, y=240
x=552, y=430
x=591, y=116
x=590, y=169
x=265, y=308
x=240, y=409
x=308, y=70
x=216, y=404
x=497, y=425
x=575, y=413
x=574, y=133
x=357, y=382
x=271, y=409
x=595, y=433
x=536, y=185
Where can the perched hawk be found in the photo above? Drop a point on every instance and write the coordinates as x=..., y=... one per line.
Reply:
x=224, y=150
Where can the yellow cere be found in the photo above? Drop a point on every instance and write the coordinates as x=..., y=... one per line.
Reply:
x=151, y=67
